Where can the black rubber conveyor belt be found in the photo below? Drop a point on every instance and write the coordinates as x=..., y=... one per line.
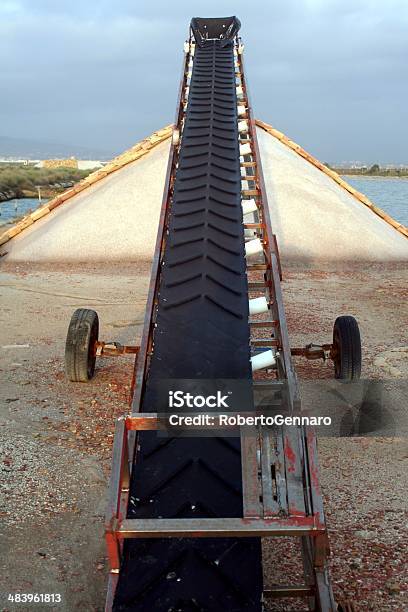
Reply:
x=202, y=332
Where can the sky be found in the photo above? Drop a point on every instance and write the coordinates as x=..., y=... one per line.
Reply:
x=331, y=74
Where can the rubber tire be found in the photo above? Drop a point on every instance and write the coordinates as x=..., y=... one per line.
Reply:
x=80, y=356
x=347, y=343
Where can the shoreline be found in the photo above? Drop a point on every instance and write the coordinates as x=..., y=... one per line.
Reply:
x=46, y=193
x=371, y=176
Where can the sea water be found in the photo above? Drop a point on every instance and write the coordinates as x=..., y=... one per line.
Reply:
x=12, y=210
x=390, y=194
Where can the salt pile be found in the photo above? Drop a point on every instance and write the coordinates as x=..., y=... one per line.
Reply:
x=116, y=218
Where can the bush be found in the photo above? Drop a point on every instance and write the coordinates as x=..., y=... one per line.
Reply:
x=19, y=178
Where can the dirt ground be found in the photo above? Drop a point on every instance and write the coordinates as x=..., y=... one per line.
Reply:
x=55, y=436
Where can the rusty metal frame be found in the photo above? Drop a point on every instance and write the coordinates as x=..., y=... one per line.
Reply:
x=260, y=523
x=285, y=501
x=114, y=349
x=267, y=519
x=315, y=351
x=299, y=446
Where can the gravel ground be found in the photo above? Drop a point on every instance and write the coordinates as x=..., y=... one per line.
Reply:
x=365, y=483
x=56, y=437
x=27, y=466
x=364, y=479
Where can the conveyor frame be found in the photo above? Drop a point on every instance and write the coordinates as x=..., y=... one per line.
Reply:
x=281, y=492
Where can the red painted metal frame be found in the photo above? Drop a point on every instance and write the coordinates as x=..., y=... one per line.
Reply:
x=271, y=246
x=302, y=456
x=118, y=527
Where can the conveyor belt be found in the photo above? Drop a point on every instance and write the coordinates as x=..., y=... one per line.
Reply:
x=201, y=332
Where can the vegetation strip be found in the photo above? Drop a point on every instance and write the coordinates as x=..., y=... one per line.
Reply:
x=18, y=181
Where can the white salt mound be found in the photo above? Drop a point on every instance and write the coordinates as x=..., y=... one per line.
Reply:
x=314, y=217
x=116, y=219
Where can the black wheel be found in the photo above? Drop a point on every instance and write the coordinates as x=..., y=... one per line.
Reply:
x=346, y=348
x=80, y=354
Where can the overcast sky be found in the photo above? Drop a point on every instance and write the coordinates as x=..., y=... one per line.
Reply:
x=332, y=74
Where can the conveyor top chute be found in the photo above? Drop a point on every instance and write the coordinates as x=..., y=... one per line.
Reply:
x=219, y=28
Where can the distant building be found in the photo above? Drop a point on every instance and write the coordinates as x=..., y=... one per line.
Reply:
x=89, y=164
x=81, y=164
x=60, y=163
x=18, y=162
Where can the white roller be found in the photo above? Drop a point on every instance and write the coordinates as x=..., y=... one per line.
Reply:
x=249, y=206
x=245, y=149
x=241, y=110
x=175, y=138
x=240, y=91
x=244, y=185
x=258, y=305
x=192, y=49
x=186, y=92
x=242, y=126
x=240, y=49
x=263, y=360
x=186, y=47
x=253, y=247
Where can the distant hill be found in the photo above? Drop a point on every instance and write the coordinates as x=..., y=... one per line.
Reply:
x=36, y=149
